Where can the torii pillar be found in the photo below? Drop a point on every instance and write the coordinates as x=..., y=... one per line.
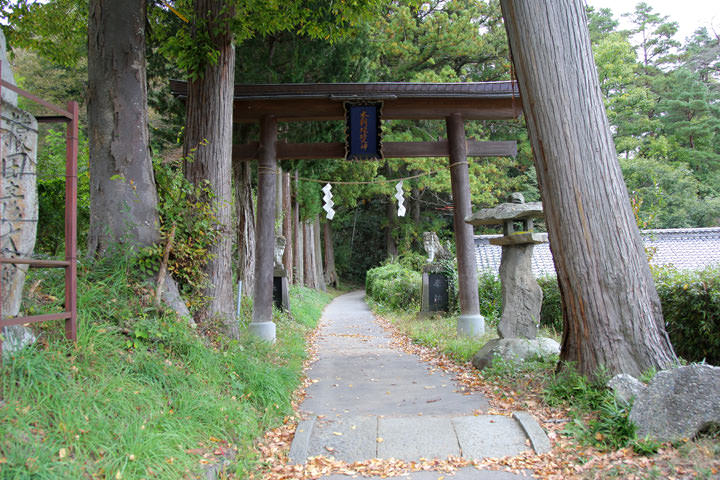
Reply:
x=470, y=323
x=262, y=325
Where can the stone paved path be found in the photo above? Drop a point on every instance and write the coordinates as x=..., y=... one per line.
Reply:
x=368, y=400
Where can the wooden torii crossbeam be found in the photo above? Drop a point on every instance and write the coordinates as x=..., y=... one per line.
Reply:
x=401, y=101
x=453, y=102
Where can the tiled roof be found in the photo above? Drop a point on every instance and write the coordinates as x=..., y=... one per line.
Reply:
x=684, y=248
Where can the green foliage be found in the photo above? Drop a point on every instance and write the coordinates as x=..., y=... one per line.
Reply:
x=611, y=429
x=192, y=45
x=568, y=386
x=691, y=307
x=551, y=310
x=191, y=209
x=669, y=195
x=51, y=193
x=490, y=295
x=56, y=29
x=412, y=261
x=503, y=370
x=646, y=446
x=394, y=286
x=105, y=408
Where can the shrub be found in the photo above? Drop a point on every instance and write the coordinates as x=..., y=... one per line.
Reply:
x=551, y=311
x=691, y=307
x=394, y=286
x=490, y=295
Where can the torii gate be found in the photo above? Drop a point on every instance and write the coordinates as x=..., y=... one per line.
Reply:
x=453, y=102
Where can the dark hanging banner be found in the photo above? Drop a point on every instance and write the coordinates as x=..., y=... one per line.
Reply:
x=364, y=135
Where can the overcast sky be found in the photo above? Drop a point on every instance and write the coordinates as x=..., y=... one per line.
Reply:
x=690, y=14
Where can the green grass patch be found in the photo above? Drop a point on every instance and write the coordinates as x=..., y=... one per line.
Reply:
x=436, y=332
x=141, y=394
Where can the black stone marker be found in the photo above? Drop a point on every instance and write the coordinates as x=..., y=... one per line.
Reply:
x=277, y=292
x=438, y=290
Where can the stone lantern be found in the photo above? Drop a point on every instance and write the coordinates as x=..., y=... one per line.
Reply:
x=521, y=294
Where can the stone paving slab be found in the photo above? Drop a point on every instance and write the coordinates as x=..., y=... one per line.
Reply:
x=347, y=439
x=486, y=436
x=467, y=473
x=353, y=438
x=415, y=438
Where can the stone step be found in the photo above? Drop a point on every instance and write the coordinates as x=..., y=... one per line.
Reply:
x=357, y=438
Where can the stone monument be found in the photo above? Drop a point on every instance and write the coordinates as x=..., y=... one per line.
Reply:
x=435, y=283
x=281, y=297
x=521, y=294
x=18, y=204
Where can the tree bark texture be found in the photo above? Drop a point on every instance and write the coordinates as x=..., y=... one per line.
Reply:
x=331, y=278
x=309, y=260
x=123, y=199
x=611, y=309
x=279, y=214
x=265, y=232
x=208, y=137
x=245, y=214
x=287, y=226
x=317, y=236
x=464, y=241
x=298, y=243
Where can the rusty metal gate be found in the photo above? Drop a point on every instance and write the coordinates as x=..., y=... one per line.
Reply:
x=68, y=115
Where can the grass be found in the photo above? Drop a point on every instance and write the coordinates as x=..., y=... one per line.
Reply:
x=141, y=394
x=436, y=332
x=439, y=331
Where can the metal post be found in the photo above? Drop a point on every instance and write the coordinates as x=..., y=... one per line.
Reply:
x=470, y=322
x=71, y=181
x=262, y=324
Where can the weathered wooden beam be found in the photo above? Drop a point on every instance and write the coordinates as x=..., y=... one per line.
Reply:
x=312, y=109
x=310, y=151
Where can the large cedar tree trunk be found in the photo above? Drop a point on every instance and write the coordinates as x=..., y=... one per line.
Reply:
x=123, y=199
x=610, y=306
x=331, y=278
x=309, y=255
x=287, y=226
x=298, y=237
x=208, y=132
x=245, y=214
x=317, y=237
